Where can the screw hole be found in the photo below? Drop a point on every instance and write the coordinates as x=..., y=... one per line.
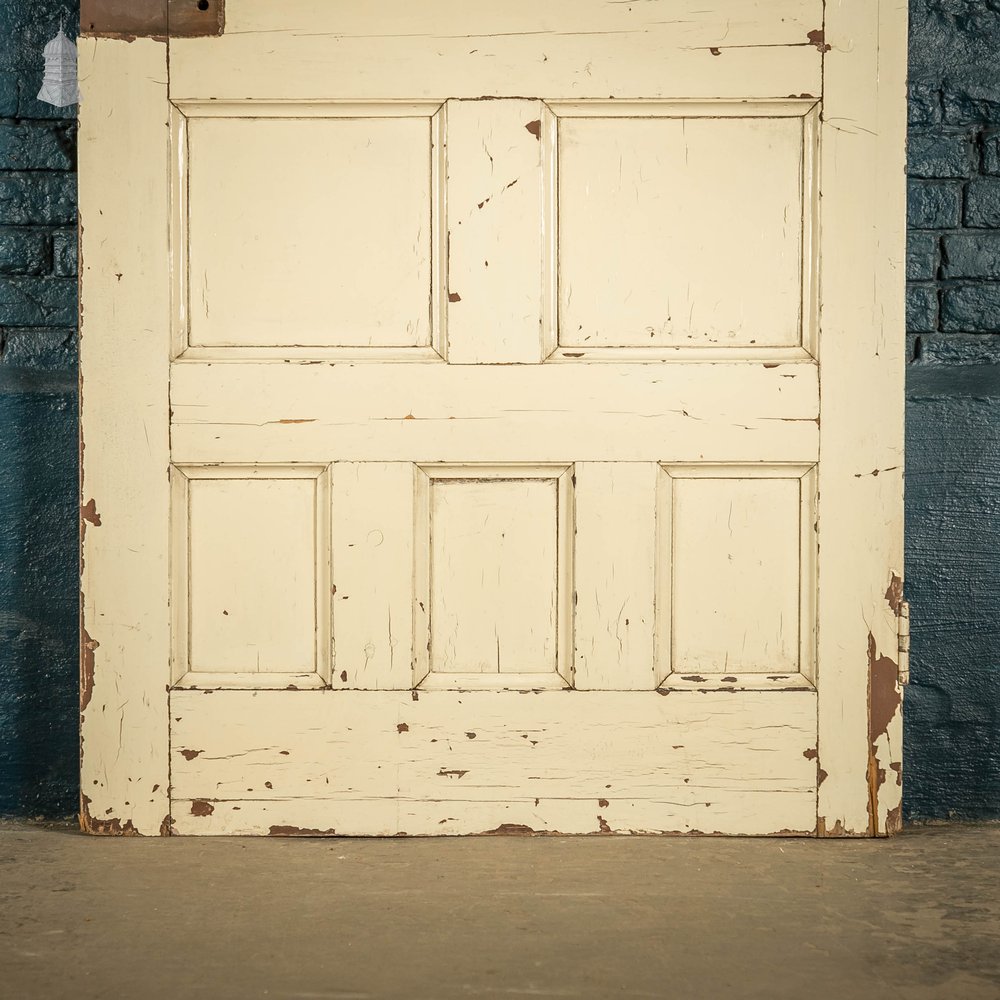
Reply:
x=203, y=5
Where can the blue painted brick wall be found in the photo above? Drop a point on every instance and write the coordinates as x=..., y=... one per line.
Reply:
x=952, y=719
x=38, y=415
x=952, y=714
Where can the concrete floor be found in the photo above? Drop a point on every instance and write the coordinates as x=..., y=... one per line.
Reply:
x=492, y=917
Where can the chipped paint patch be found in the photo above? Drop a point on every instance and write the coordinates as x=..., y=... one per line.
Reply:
x=818, y=38
x=512, y=830
x=894, y=593
x=837, y=829
x=88, y=512
x=299, y=831
x=110, y=826
x=87, y=647
x=884, y=702
x=202, y=808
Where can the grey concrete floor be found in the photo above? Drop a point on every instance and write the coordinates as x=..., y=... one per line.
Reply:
x=83, y=917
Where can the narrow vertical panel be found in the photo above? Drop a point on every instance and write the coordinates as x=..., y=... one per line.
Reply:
x=373, y=521
x=735, y=593
x=862, y=355
x=494, y=576
x=125, y=628
x=495, y=238
x=252, y=575
x=615, y=573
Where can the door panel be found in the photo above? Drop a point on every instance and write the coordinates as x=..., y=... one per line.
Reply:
x=446, y=762
x=507, y=472
x=655, y=203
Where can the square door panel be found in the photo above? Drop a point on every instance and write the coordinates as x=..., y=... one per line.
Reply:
x=682, y=232
x=250, y=570
x=305, y=232
x=495, y=561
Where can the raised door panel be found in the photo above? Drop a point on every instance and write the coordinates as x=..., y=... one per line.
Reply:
x=738, y=546
x=685, y=227
x=494, y=577
x=250, y=591
x=278, y=206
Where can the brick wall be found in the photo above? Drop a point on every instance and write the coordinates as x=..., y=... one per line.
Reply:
x=952, y=714
x=38, y=443
x=953, y=256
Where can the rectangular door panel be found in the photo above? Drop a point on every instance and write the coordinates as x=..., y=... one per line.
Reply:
x=494, y=762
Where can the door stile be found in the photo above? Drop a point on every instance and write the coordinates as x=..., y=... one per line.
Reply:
x=125, y=437
x=861, y=418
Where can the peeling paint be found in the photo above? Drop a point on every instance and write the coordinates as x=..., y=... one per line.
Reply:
x=818, y=38
x=202, y=808
x=836, y=830
x=87, y=647
x=511, y=830
x=190, y=754
x=88, y=512
x=535, y=128
x=108, y=827
x=166, y=827
x=402, y=727
x=299, y=831
x=884, y=694
x=884, y=700
x=894, y=593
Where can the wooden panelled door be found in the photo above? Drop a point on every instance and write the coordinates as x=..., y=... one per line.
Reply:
x=492, y=417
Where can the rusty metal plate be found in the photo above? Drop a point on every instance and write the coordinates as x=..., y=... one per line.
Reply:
x=131, y=19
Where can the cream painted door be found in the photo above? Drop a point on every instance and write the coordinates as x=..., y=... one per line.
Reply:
x=492, y=418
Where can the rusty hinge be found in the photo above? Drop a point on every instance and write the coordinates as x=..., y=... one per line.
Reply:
x=903, y=631
x=131, y=19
